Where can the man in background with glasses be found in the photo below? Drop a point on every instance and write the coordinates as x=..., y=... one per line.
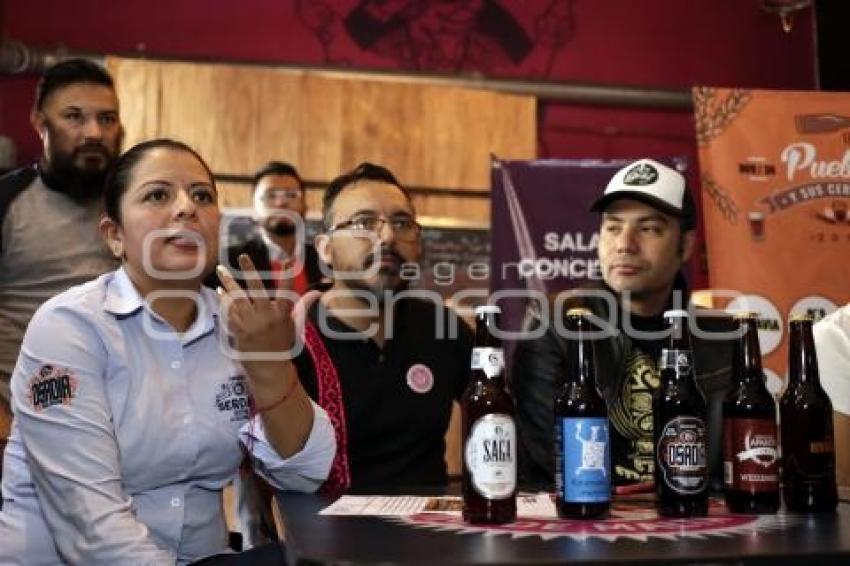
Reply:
x=384, y=360
x=279, y=207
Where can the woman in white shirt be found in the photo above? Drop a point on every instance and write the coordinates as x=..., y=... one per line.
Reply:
x=129, y=416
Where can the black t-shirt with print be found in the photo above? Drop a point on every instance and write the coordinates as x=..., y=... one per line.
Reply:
x=632, y=450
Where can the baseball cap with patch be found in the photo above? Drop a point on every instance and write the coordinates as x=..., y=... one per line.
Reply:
x=654, y=183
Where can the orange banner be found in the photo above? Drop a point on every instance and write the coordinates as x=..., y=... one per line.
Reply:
x=775, y=175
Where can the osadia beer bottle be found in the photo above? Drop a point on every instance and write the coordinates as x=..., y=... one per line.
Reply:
x=679, y=425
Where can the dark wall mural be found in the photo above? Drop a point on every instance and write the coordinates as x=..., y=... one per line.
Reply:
x=482, y=36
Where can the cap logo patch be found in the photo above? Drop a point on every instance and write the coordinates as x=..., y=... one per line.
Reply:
x=640, y=175
x=50, y=386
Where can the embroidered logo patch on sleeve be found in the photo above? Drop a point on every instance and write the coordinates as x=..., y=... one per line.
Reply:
x=52, y=385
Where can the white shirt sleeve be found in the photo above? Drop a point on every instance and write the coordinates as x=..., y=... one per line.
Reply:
x=64, y=419
x=832, y=342
x=304, y=470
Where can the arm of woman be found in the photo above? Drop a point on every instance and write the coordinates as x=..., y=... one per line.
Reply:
x=65, y=423
x=263, y=333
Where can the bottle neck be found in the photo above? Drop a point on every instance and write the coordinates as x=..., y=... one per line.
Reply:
x=485, y=324
x=748, y=353
x=803, y=362
x=584, y=370
x=680, y=336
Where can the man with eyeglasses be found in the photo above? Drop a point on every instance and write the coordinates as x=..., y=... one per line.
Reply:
x=279, y=206
x=385, y=361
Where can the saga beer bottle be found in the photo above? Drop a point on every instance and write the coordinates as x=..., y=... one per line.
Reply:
x=808, y=444
x=489, y=432
x=679, y=426
x=582, y=441
x=750, y=445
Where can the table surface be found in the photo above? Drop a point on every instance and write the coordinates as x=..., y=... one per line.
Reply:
x=632, y=535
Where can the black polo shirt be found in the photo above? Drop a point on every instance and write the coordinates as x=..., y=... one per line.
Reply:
x=398, y=399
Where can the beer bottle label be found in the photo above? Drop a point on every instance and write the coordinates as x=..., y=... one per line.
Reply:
x=679, y=360
x=490, y=456
x=751, y=456
x=489, y=360
x=585, y=459
x=681, y=455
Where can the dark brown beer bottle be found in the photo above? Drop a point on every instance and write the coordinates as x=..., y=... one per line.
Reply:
x=582, y=441
x=679, y=425
x=750, y=447
x=808, y=445
x=489, y=432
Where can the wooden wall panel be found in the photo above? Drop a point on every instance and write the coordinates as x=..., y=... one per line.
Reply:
x=138, y=85
x=239, y=117
x=321, y=128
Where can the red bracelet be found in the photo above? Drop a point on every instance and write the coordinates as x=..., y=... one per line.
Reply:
x=286, y=395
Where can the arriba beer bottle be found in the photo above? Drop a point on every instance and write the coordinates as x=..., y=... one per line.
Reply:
x=582, y=442
x=808, y=446
x=489, y=471
x=750, y=447
x=679, y=424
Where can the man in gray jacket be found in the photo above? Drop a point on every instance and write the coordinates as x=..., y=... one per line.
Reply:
x=646, y=235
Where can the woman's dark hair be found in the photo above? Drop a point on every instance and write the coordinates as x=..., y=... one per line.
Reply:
x=119, y=174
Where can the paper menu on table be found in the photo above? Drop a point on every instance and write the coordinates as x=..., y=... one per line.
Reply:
x=528, y=505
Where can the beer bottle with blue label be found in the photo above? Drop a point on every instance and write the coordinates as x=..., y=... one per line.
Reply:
x=489, y=432
x=582, y=449
x=679, y=425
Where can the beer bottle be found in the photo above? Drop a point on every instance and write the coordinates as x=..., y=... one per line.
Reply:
x=582, y=442
x=679, y=426
x=808, y=446
x=750, y=447
x=489, y=432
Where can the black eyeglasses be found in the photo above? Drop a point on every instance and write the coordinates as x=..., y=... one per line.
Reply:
x=405, y=228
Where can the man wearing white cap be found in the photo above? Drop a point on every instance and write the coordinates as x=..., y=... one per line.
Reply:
x=646, y=235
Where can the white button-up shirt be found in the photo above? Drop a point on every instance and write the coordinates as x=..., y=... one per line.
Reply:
x=125, y=433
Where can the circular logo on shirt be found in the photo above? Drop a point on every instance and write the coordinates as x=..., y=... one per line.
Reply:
x=420, y=378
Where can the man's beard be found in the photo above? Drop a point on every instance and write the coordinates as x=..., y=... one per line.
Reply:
x=82, y=184
x=388, y=282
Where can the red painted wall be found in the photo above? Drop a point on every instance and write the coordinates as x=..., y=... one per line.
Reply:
x=672, y=44
x=656, y=43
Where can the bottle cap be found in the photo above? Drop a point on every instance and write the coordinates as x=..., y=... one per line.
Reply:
x=743, y=315
x=801, y=317
x=677, y=313
x=487, y=309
